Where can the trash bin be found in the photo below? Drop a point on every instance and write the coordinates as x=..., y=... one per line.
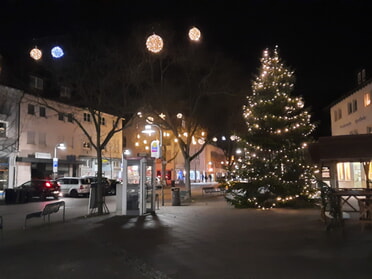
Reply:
x=176, y=198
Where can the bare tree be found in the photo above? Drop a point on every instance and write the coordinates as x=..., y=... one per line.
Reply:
x=101, y=76
x=182, y=85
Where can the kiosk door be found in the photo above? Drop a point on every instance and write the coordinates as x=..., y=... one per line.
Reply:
x=148, y=195
x=133, y=187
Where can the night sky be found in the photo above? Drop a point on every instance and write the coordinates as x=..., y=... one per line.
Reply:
x=326, y=43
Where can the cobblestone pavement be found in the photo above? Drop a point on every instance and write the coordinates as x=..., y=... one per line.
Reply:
x=203, y=239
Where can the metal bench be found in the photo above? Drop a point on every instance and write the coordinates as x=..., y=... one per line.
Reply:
x=48, y=209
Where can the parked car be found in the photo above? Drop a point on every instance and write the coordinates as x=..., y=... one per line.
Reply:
x=35, y=188
x=105, y=182
x=74, y=186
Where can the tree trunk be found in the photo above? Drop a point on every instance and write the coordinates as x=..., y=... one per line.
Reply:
x=187, y=178
x=99, y=183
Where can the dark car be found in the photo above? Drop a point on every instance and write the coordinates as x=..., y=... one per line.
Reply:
x=37, y=188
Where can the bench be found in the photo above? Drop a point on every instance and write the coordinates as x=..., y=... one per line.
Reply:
x=48, y=209
x=212, y=190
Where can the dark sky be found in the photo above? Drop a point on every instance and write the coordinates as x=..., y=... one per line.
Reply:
x=325, y=42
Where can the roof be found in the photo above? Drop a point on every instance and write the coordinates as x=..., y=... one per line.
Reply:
x=347, y=148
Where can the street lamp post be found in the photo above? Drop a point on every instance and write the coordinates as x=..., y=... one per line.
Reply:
x=61, y=146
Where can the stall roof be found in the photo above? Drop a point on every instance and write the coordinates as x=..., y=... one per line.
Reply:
x=348, y=148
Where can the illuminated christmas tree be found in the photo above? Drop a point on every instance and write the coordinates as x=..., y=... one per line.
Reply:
x=279, y=128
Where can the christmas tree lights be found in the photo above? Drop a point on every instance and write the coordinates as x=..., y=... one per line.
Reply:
x=278, y=130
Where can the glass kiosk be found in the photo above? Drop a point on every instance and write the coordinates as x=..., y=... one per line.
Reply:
x=136, y=196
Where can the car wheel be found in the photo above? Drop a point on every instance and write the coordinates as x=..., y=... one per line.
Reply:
x=74, y=193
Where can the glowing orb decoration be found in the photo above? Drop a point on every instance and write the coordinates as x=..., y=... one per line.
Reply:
x=194, y=34
x=35, y=53
x=154, y=43
x=57, y=52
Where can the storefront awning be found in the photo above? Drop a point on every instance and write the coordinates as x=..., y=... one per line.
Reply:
x=349, y=148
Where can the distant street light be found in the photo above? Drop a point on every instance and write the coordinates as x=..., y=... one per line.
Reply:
x=61, y=146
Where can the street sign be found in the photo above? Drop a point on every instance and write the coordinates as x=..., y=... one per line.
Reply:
x=55, y=165
x=155, y=149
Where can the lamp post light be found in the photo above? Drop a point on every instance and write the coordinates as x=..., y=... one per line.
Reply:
x=61, y=146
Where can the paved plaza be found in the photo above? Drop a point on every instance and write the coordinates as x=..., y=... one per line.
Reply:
x=206, y=238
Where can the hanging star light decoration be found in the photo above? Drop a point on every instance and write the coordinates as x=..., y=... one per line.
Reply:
x=194, y=34
x=154, y=43
x=36, y=53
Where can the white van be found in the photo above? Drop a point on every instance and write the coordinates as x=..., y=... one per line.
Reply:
x=74, y=186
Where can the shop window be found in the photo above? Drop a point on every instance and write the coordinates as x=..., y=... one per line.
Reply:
x=343, y=171
x=69, y=117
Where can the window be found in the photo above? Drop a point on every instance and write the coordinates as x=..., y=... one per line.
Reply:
x=103, y=121
x=31, y=109
x=86, y=145
x=42, y=112
x=367, y=99
x=337, y=114
x=343, y=171
x=65, y=92
x=3, y=129
x=42, y=138
x=69, y=117
x=61, y=116
x=31, y=137
x=369, y=130
x=86, y=117
x=36, y=83
x=352, y=106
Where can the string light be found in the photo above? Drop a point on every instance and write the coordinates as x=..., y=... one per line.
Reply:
x=194, y=34
x=154, y=43
x=36, y=53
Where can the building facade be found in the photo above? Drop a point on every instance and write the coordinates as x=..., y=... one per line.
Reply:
x=9, y=134
x=42, y=125
x=352, y=115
